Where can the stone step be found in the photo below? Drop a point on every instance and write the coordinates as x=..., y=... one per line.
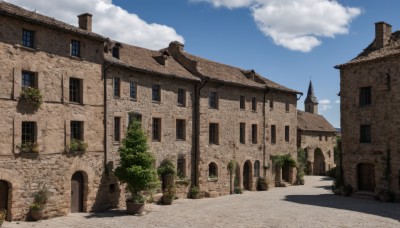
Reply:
x=364, y=195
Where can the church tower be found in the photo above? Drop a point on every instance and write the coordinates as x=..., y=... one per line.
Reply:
x=311, y=102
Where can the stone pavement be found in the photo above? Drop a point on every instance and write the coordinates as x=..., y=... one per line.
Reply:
x=311, y=205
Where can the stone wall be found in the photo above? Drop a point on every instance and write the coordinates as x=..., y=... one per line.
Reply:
x=381, y=115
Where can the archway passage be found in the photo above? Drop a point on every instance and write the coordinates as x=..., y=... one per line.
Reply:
x=319, y=162
x=247, y=176
x=366, y=177
x=286, y=173
x=4, y=195
x=77, y=192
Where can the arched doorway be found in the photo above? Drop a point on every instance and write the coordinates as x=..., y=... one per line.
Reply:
x=247, y=177
x=366, y=177
x=237, y=180
x=319, y=162
x=77, y=188
x=4, y=196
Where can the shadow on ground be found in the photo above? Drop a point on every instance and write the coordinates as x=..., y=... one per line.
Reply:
x=108, y=214
x=368, y=206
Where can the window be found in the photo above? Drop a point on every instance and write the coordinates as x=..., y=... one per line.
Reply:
x=287, y=106
x=212, y=170
x=365, y=134
x=75, y=90
x=320, y=138
x=156, y=92
x=132, y=88
x=181, y=168
x=156, y=129
x=115, y=52
x=273, y=134
x=181, y=97
x=271, y=104
x=287, y=133
x=365, y=96
x=117, y=129
x=213, y=134
x=75, y=48
x=326, y=138
x=180, y=129
x=117, y=87
x=27, y=38
x=242, y=133
x=77, y=130
x=28, y=135
x=242, y=102
x=257, y=168
x=253, y=104
x=213, y=100
x=134, y=117
x=254, y=133
x=28, y=79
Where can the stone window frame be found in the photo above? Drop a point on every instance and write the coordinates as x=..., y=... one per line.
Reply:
x=180, y=130
x=28, y=38
x=273, y=134
x=212, y=170
x=365, y=133
x=115, y=51
x=213, y=99
x=181, y=97
x=254, y=133
x=213, y=133
x=365, y=96
x=79, y=92
x=287, y=133
x=134, y=116
x=17, y=79
x=257, y=168
x=156, y=129
x=320, y=137
x=135, y=90
x=156, y=93
x=17, y=130
x=271, y=103
x=181, y=166
x=66, y=88
x=80, y=125
x=116, y=87
x=32, y=81
x=75, y=49
x=33, y=131
x=254, y=104
x=242, y=102
x=242, y=133
x=287, y=106
x=117, y=129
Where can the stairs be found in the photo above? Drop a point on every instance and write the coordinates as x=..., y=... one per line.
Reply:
x=365, y=195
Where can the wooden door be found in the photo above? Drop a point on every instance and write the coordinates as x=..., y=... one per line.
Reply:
x=77, y=192
x=3, y=195
x=246, y=176
x=319, y=163
x=366, y=177
x=285, y=173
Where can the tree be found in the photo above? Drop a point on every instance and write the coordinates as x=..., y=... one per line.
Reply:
x=136, y=164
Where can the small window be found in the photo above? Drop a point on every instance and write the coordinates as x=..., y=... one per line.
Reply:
x=157, y=129
x=77, y=130
x=253, y=104
x=115, y=52
x=242, y=133
x=365, y=96
x=273, y=134
x=28, y=134
x=75, y=90
x=28, y=79
x=134, y=117
x=326, y=138
x=320, y=138
x=242, y=102
x=75, y=48
x=180, y=129
x=27, y=38
x=287, y=106
x=117, y=129
x=271, y=104
x=117, y=87
x=365, y=134
x=254, y=135
x=257, y=168
x=287, y=133
x=213, y=100
x=213, y=133
x=181, y=97
x=212, y=170
x=181, y=168
x=156, y=92
x=132, y=88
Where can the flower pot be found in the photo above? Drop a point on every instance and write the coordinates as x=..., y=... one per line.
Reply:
x=264, y=186
x=134, y=208
x=37, y=215
x=167, y=200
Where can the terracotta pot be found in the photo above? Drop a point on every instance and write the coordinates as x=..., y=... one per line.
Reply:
x=167, y=200
x=37, y=215
x=134, y=208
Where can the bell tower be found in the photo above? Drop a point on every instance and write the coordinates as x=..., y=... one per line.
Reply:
x=311, y=102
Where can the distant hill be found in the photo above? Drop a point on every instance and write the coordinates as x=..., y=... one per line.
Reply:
x=338, y=129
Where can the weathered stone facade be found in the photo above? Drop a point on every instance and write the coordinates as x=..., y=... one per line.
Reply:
x=369, y=103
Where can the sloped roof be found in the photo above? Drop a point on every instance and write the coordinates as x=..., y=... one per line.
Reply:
x=372, y=53
x=313, y=122
x=33, y=17
x=143, y=59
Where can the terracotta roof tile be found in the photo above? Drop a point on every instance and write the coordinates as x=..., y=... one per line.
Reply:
x=312, y=122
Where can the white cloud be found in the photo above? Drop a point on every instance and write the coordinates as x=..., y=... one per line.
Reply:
x=297, y=25
x=324, y=105
x=108, y=20
x=337, y=101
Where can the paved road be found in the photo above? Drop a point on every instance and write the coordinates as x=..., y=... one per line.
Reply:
x=311, y=205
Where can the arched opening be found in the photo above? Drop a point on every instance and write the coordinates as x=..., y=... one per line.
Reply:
x=286, y=173
x=366, y=177
x=247, y=177
x=77, y=192
x=237, y=179
x=4, y=197
x=257, y=168
x=212, y=170
x=319, y=162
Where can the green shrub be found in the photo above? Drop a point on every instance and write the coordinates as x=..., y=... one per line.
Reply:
x=32, y=96
x=77, y=145
x=194, y=192
x=231, y=166
x=167, y=167
x=238, y=190
x=284, y=160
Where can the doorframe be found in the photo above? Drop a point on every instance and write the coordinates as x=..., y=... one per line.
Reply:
x=249, y=176
x=84, y=190
x=9, y=199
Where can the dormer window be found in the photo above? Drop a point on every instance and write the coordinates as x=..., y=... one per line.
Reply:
x=115, y=51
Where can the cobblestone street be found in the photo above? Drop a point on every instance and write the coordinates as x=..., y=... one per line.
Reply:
x=311, y=205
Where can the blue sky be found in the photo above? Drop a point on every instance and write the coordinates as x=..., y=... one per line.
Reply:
x=244, y=33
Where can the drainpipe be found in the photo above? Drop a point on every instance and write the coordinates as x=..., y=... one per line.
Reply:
x=105, y=67
x=264, y=133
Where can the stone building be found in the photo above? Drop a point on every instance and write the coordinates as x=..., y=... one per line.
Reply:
x=197, y=113
x=316, y=136
x=369, y=94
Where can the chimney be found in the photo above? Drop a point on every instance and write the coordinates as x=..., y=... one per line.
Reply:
x=85, y=21
x=383, y=31
x=176, y=46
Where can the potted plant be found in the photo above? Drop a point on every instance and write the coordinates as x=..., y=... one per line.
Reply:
x=36, y=211
x=32, y=96
x=3, y=215
x=166, y=171
x=169, y=195
x=238, y=190
x=194, y=192
x=77, y=145
x=40, y=199
x=231, y=169
x=136, y=168
x=262, y=184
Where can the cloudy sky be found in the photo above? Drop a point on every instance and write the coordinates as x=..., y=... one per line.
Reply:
x=287, y=41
